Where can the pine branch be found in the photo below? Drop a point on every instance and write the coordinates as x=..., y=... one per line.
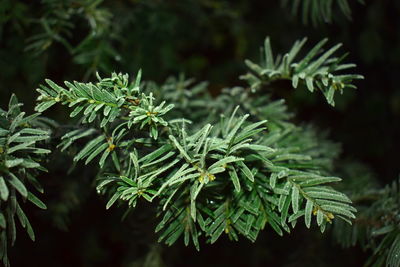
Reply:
x=19, y=167
x=316, y=71
x=193, y=171
x=377, y=225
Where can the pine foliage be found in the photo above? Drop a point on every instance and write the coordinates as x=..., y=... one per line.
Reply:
x=318, y=11
x=57, y=23
x=376, y=227
x=20, y=163
x=206, y=165
x=231, y=172
x=317, y=70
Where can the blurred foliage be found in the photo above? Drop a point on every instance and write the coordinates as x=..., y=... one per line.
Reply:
x=319, y=11
x=209, y=40
x=20, y=158
x=376, y=228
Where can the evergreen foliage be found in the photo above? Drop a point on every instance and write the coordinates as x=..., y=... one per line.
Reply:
x=205, y=163
x=316, y=71
x=20, y=158
x=377, y=224
x=318, y=11
x=229, y=175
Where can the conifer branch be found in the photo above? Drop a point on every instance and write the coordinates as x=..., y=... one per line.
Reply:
x=221, y=177
x=316, y=71
x=20, y=158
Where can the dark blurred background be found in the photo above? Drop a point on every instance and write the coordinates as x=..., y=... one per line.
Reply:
x=207, y=40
